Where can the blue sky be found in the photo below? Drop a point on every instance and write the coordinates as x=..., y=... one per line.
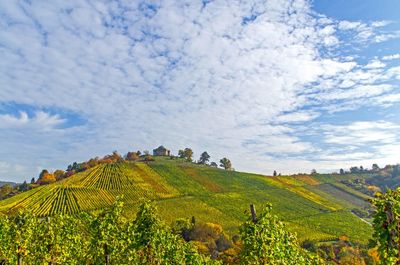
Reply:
x=273, y=85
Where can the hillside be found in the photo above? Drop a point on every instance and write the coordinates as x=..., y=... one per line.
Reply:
x=2, y=183
x=316, y=207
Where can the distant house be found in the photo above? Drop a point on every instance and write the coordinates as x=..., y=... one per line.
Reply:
x=161, y=151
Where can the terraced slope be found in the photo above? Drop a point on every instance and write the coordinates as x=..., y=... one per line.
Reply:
x=316, y=207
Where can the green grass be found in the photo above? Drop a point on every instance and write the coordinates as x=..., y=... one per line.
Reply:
x=316, y=207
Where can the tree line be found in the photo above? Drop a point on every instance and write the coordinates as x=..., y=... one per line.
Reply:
x=46, y=177
x=204, y=159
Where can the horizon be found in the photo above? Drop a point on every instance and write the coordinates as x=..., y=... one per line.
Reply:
x=271, y=85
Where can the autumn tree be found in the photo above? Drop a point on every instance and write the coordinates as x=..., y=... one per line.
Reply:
x=5, y=190
x=45, y=177
x=93, y=162
x=131, y=156
x=204, y=158
x=58, y=174
x=225, y=163
x=187, y=154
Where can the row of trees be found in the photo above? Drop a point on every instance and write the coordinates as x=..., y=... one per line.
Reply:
x=108, y=238
x=374, y=169
x=46, y=177
x=204, y=159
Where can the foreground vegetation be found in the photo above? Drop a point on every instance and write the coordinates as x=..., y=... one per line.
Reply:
x=330, y=213
x=311, y=205
x=108, y=238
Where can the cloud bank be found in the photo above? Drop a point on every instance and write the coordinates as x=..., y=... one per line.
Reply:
x=238, y=79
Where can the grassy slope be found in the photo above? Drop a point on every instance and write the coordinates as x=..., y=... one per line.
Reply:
x=314, y=207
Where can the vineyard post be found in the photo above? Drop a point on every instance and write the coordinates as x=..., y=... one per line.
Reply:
x=51, y=255
x=19, y=256
x=50, y=246
x=106, y=255
x=253, y=213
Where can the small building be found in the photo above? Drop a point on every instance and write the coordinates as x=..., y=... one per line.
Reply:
x=161, y=151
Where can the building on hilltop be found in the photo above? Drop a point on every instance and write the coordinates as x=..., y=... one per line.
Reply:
x=161, y=151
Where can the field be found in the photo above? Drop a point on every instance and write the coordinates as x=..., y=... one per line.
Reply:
x=316, y=207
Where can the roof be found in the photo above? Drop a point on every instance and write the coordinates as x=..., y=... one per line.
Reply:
x=161, y=148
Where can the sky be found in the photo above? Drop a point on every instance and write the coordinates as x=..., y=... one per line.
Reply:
x=272, y=85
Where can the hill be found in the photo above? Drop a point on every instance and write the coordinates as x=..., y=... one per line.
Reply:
x=2, y=183
x=315, y=206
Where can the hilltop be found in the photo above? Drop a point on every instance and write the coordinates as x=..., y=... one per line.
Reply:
x=2, y=183
x=316, y=206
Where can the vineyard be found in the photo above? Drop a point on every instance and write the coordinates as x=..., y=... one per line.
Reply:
x=316, y=207
x=94, y=189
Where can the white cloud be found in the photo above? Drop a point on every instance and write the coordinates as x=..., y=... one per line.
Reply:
x=361, y=133
x=17, y=169
x=375, y=64
x=213, y=77
x=349, y=25
x=391, y=57
x=298, y=116
x=40, y=121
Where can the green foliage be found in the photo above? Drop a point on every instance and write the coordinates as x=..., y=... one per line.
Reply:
x=186, y=154
x=132, y=156
x=387, y=226
x=311, y=205
x=104, y=238
x=204, y=158
x=5, y=190
x=59, y=240
x=226, y=163
x=268, y=242
x=106, y=230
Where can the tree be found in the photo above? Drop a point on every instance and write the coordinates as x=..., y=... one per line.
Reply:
x=313, y=172
x=33, y=181
x=266, y=241
x=45, y=177
x=23, y=187
x=213, y=164
x=42, y=173
x=375, y=167
x=226, y=163
x=59, y=174
x=5, y=190
x=181, y=153
x=386, y=226
x=341, y=171
x=204, y=158
x=131, y=156
x=275, y=174
x=354, y=170
x=188, y=154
